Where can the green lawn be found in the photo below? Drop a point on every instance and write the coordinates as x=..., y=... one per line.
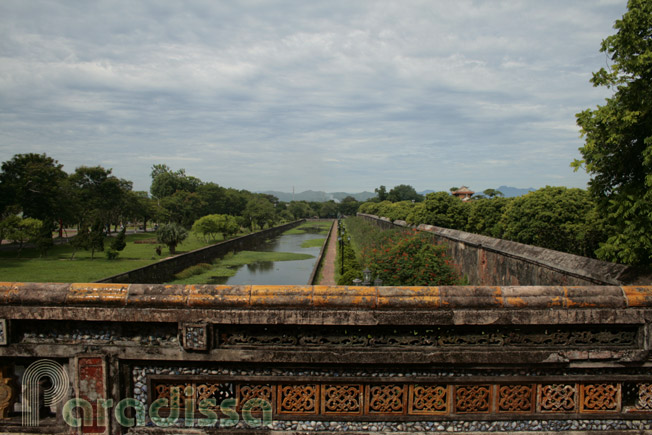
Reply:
x=313, y=227
x=57, y=266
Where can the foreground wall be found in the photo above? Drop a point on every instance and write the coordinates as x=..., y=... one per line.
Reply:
x=165, y=270
x=326, y=359
x=489, y=261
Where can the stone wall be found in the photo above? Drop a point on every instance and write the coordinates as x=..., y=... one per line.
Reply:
x=329, y=359
x=489, y=261
x=164, y=270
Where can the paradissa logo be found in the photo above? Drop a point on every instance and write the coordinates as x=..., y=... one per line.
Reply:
x=205, y=408
x=202, y=414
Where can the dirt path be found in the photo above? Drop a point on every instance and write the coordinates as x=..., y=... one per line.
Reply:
x=328, y=268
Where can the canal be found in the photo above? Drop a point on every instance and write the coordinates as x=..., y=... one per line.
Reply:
x=286, y=272
x=287, y=259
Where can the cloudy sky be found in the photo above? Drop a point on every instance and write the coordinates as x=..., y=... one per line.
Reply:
x=324, y=95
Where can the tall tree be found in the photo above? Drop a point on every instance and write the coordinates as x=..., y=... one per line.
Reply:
x=32, y=183
x=166, y=182
x=381, y=192
x=404, y=192
x=618, y=138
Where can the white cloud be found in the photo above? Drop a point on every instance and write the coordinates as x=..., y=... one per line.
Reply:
x=342, y=95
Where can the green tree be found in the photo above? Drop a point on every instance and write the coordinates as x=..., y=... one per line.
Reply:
x=300, y=209
x=381, y=193
x=182, y=207
x=440, y=209
x=119, y=242
x=210, y=226
x=328, y=209
x=171, y=235
x=618, y=138
x=555, y=218
x=349, y=206
x=404, y=192
x=100, y=196
x=20, y=230
x=485, y=216
x=492, y=193
x=166, y=182
x=33, y=183
x=259, y=212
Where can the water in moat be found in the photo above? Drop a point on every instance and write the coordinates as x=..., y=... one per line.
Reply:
x=293, y=272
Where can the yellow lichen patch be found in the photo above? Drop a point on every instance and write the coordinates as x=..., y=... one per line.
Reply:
x=281, y=295
x=515, y=302
x=557, y=301
x=498, y=296
x=110, y=294
x=334, y=296
x=638, y=296
x=406, y=297
x=216, y=296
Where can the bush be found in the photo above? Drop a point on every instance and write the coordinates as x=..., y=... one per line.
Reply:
x=349, y=276
x=411, y=259
x=119, y=243
x=111, y=254
x=400, y=257
x=193, y=270
x=171, y=235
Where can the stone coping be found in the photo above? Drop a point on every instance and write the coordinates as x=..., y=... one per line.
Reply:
x=323, y=297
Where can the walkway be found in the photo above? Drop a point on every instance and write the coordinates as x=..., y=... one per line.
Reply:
x=328, y=268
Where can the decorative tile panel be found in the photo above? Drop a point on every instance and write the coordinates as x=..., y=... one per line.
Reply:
x=472, y=399
x=429, y=399
x=386, y=399
x=515, y=398
x=600, y=397
x=557, y=398
x=194, y=336
x=298, y=399
x=342, y=399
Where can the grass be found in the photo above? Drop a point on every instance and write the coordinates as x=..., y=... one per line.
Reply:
x=312, y=227
x=313, y=243
x=228, y=265
x=57, y=266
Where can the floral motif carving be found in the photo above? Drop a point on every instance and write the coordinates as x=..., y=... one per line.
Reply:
x=424, y=337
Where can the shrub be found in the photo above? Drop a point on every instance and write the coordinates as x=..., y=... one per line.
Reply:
x=193, y=270
x=119, y=243
x=171, y=235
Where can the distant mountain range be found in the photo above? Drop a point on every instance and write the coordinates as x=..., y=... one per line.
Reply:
x=320, y=196
x=510, y=192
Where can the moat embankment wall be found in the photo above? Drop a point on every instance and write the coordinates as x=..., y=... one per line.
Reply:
x=489, y=261
x=164, y=270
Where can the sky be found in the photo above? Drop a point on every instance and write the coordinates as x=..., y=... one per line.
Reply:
x=333, y=95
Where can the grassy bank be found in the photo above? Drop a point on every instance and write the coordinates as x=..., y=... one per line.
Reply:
x=312, y=227
x=58, y=267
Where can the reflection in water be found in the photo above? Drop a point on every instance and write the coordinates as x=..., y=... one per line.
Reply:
x=296, y=272
x=260, y=266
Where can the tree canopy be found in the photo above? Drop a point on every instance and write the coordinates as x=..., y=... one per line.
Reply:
x=618, y=138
